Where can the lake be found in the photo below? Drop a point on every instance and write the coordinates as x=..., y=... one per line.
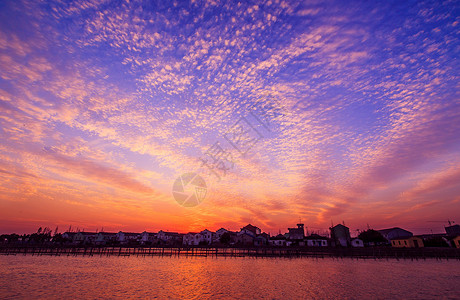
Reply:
x=69, y=277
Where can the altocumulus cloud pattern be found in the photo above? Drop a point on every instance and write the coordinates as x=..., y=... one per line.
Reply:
x=103, y=104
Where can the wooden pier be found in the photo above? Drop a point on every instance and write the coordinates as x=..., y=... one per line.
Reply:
x=376, y=253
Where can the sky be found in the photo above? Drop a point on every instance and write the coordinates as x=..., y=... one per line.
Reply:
x=318, y=111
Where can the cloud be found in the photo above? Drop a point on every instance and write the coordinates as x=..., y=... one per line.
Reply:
x=97, y=171
x=124, y=98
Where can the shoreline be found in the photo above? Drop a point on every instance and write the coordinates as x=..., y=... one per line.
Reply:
x=364, y=253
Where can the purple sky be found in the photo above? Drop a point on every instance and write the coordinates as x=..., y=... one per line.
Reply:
x=354, y=108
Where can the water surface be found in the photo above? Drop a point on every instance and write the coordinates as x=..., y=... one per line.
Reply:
x=62, y=277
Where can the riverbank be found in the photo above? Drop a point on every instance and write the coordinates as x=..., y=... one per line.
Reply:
x=375, y=252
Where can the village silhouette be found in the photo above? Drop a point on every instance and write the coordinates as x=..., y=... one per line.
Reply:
x=247, y=236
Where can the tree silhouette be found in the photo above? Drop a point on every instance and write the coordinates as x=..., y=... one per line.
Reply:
x=372, y=236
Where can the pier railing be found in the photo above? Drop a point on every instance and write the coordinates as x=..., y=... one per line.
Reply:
x=315, y=252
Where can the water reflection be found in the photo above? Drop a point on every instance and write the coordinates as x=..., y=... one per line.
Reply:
x=234, y=278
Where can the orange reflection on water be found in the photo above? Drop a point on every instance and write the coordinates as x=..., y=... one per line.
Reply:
x=183, y=277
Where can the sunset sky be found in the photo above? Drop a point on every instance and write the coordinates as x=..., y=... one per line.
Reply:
x=103, y=104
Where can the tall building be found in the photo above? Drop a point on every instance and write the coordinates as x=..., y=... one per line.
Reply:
x=296, y=233
x=340, y=235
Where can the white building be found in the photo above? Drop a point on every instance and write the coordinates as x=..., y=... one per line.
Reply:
x=84, y=237
x=203, y=237
x=218, y=234
x=147, y=237
x=192, y=239
x=69, y=236
x=316, y=240
x=279, y=240
x=251, y=230
x=207, y=236
x=169, y=237
x=126, y=237
x=103, y=238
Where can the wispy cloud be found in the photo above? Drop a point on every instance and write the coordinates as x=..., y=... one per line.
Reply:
x=105, y=104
